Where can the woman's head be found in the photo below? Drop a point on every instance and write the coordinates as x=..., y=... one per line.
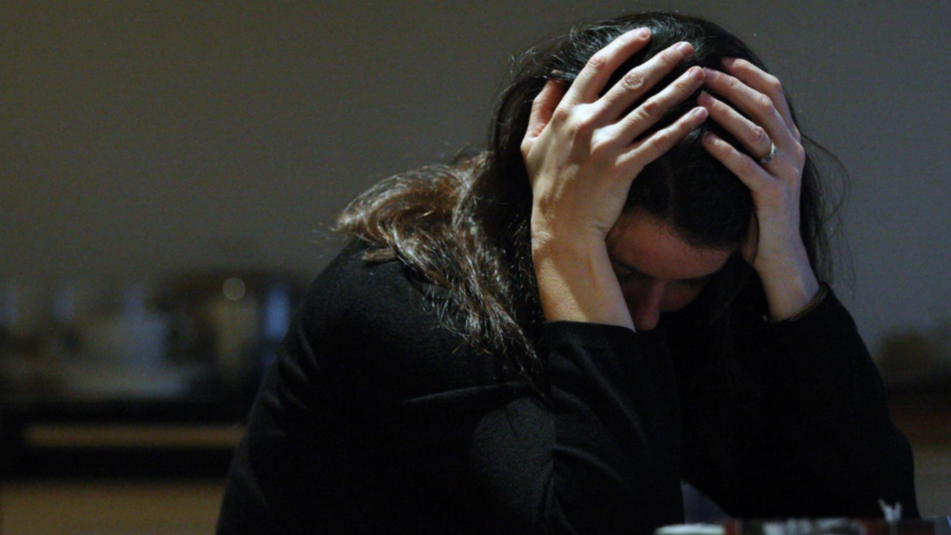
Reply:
x=657, y=270
x=467, y=226
x=686, y=187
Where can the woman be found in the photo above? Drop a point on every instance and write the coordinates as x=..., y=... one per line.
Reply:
x=623, y=293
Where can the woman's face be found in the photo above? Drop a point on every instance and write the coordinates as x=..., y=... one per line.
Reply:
x=657, y=270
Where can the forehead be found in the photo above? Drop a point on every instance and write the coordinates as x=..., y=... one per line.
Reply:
x=649, y=245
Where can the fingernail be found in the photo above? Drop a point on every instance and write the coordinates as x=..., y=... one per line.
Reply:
x=710, y=74
x=728, y=62
x=685, y=48
x=705, y=98
x=644, y=33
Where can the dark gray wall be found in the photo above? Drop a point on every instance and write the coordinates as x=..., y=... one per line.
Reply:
x=142, y=137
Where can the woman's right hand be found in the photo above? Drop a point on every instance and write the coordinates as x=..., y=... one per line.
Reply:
x=583, y=151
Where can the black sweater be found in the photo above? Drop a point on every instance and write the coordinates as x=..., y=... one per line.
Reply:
x=378, y=419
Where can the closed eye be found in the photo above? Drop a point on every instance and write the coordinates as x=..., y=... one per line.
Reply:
x=627, y=274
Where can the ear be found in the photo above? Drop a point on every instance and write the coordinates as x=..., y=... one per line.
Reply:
x=543, y=107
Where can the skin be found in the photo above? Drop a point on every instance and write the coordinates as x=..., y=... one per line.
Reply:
x=656, y=269
x=582, y=158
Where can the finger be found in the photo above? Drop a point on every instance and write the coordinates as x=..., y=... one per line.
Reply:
x=758, y=106
x=542, y=109
x=654, y=146
x=752, y=136
x=596, y=73
x=651, y=110
x=765, y=83
x=745, y=168
x=636, y=83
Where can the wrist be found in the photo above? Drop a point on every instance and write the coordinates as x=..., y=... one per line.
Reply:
x=789, y=291
x=576, y=281
x=562, y=227
x=548, y=242
x=814, y=303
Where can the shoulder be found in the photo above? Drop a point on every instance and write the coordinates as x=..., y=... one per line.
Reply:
x=377, y=326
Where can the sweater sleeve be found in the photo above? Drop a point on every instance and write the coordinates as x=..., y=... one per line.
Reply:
x=376, y=418
x=804, y=428
x=606, y=445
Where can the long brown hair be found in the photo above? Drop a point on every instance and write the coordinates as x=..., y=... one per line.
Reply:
x=465, y=225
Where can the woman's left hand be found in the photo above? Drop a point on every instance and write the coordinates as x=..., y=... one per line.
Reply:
x=779, y=254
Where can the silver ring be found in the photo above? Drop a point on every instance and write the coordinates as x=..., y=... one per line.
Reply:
x=769, y=157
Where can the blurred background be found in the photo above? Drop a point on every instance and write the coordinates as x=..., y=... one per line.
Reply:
x=170, y=170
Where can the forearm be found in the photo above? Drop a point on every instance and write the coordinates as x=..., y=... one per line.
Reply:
x=576, y=281
x=600, y=455
x=789, y=283
x=811, y=431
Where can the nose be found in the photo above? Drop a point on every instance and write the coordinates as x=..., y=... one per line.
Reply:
x=644, y=305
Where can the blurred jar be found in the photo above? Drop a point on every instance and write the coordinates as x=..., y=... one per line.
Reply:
x=232, y=321
x=122, y=327
x=24, y=316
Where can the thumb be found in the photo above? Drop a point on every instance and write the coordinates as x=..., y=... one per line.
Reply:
x=543, y=107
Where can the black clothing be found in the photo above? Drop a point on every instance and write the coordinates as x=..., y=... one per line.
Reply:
x=378, y=419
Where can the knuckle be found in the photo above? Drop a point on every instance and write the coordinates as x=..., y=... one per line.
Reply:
x=799, y=153
x=585, y=123
x=572, y=129
x=765, y=104
x=732, y=83
x=670, y=56
x=741, y=64
x=580, y=125
x=758, y=135
x=525, y=147
x=561, y=115
x=600, y=149
x=684, y=84
x=651, y=109
x=598, y=60
x=633, y=81
x=662, y=141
